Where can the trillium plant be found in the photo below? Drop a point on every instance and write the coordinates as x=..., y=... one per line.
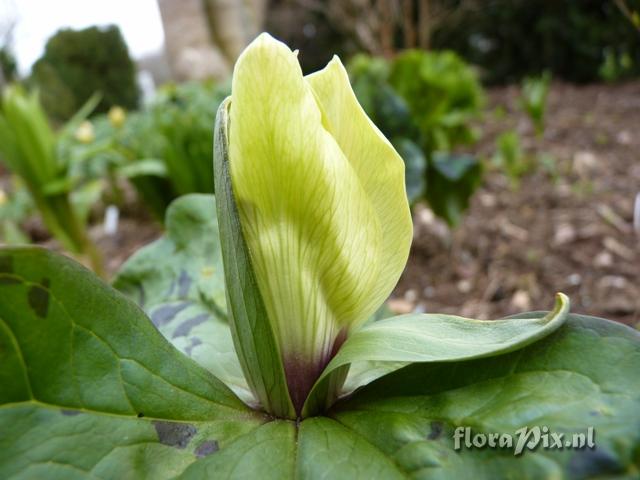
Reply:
x=251, y=341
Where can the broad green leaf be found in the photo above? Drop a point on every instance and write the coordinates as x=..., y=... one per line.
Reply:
x=41, y=441
x=80, y=364
x=90, y=388
x=583, y=375
x=179, y=281
x=397, y=341
x=267, y=452
x=253, y=337
x=329, y=450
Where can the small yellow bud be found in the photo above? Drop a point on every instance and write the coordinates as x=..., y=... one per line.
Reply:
x=117, y=116
x=85, y=133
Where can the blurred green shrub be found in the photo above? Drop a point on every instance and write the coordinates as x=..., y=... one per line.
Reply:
x=99, y=157
x=510, y=157
x=424, y=102
x=535, y=91
x=78, y=63
x=510, y=39
x=180, y=124
x=15, y=207
x=8, y=65
x=30, y=149
x=164, y=150
x=616, y=65
x=443, y=94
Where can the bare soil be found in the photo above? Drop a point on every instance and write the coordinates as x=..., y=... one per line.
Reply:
x=565, y=230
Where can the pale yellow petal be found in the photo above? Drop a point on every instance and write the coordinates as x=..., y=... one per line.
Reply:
x=379, y=167
x=324, y=242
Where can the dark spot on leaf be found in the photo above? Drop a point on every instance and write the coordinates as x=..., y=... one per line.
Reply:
x=169, y=292
x=140, y=415
x=6, y=264
x=207, y=448
x=166, y=313
x=184, y=283
x=38, y=298
x=590, y=463
x=69, y=412
x=436, y=430
x=185, y=328
x=195, y=341
x=174, y=434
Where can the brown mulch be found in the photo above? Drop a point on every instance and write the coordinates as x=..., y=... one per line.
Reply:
x=568, y=231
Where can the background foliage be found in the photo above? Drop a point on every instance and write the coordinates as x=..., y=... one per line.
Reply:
x=578, y=41
x=78, y=63
x=424, y=103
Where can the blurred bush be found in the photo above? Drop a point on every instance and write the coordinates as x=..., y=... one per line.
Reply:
x=15, y=207
x=443, y=94
x=577, y=40
x=78, y=63
x=164, y=150
x=33, y=151
x=179, y=130
x=8, y=65
x=533, y=99
x=424, y=103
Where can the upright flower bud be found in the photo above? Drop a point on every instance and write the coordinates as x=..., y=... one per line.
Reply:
x=321, y=202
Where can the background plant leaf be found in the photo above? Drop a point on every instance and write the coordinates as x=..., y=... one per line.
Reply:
x=178, y=280
x=451, y=181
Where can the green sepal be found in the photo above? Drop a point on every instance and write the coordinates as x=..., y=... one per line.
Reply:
x=252, y=333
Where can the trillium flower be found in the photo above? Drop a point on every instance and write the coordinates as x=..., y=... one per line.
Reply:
x=315, y=230
x=322, y=203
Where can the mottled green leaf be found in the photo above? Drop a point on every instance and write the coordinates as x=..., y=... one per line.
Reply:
x=178, y=280
x=584, y=375
x=329, y=450
x=90, y=389
x=267, y=452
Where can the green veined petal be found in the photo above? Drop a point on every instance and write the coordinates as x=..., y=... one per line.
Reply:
x=317, y=242
x=377, y=164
